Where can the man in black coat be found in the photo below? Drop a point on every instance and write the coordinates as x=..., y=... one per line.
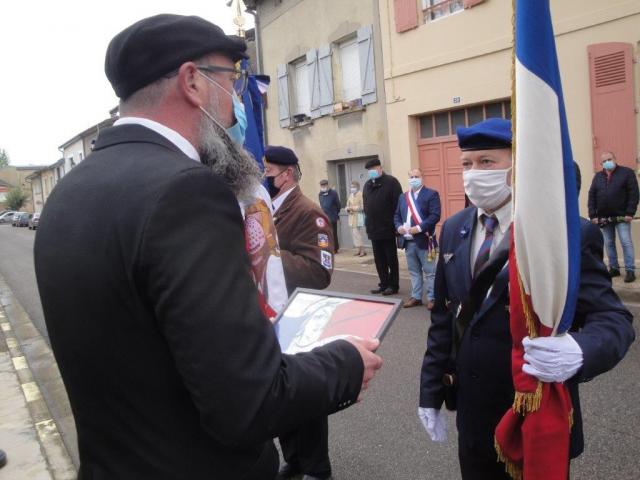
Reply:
x=613, y=201
x=172, y=370
x=476, y=381
x=380, y=195
x=330, y=204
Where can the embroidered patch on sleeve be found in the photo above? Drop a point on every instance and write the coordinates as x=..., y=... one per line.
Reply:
x=323, y=240
x=326, y=259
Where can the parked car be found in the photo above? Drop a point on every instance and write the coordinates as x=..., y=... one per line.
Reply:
x=23, y=219
x=7, y=216
x=14, y=219
x=34, y=221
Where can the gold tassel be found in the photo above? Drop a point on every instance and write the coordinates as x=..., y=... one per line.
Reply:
x=570, y=419
x=512, y=468
x=525, y=402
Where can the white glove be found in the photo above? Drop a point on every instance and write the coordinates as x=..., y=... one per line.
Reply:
x=552, y=359
x=434, y=423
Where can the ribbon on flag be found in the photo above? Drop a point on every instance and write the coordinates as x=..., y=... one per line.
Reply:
x=532, y=438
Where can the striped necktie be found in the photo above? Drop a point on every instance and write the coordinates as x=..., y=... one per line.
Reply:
x=490, y=223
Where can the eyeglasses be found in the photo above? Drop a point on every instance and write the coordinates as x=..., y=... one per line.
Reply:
x=240, y=78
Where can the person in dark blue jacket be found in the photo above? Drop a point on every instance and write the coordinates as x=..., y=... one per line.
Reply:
x=415, y=219
x=330, y=204
x=476, y=381
x=613, y=201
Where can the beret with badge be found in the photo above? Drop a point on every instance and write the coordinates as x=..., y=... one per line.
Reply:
x=156, y=46
x=491, y=134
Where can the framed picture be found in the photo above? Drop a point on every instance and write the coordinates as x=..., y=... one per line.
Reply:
x=312, y=318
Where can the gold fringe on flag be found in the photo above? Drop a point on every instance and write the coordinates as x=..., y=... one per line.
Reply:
x=525, y=402
x=512, y=468
x=570, y=419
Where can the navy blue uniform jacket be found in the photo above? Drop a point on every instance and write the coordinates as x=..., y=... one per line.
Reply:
x=602, y=328
x=428, y=205
x=330, y=204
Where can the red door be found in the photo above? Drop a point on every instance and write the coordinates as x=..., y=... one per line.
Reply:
x=613, y=117
x=442, y=171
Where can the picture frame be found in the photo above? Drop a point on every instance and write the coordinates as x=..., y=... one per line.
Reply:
x=312, y=318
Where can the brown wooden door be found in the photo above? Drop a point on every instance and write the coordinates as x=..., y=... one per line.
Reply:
x=613, y=116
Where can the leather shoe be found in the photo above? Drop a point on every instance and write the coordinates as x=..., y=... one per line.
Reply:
x=630, y=276
x=311, y=477
x=389, y=291
x=287, y=471
x=412, y=302
x=378, y=290
x=614, y=272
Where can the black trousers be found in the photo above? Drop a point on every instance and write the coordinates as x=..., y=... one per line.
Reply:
x=385, y=254
x=476, y=465
x=335, y=236
x=307, y=449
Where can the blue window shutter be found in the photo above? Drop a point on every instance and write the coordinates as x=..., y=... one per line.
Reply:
x=367, y=66
x=314, y=82
x=283, y=95
x=326, y=79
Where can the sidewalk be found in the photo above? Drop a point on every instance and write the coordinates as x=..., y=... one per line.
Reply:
x=345, y=260
x=28, y=434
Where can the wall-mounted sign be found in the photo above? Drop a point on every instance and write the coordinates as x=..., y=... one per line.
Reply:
x=456, y=99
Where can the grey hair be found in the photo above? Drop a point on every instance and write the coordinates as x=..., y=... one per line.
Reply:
x=146, y=97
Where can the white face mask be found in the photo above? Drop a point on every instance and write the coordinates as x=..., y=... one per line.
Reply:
x=487, y=189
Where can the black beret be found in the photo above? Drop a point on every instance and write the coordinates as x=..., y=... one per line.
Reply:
x=155, y=46
x=492, y=134
x=374, y=162
x=280, y=155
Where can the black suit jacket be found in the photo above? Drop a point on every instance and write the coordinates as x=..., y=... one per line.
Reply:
x=602, y=328
x=172, y=371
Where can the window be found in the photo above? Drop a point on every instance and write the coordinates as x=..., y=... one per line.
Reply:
x=301, y=84
x=80, y=157
x=443, y=124
x=71, y=162
x=435, y=9
x=350, y=65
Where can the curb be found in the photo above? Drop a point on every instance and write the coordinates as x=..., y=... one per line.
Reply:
x=16, y=329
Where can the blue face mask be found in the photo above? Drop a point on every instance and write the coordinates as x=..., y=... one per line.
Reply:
x=373, y=174
x=609, y=165
x=238, y=131
x=415, y=183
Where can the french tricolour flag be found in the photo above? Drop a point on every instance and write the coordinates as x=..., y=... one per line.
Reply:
x=532, y=438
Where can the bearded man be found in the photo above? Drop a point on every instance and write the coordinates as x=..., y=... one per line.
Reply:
x=172, y=370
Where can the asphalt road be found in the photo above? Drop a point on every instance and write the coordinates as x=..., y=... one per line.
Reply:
x=381, y=438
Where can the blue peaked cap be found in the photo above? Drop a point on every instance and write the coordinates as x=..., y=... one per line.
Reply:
x=491, y=134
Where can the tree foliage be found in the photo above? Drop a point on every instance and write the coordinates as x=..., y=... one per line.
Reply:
x=4, y=158
x=15, y=199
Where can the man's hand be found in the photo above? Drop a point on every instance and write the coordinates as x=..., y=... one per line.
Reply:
x=594, y=221
x=402, y=230
x=434, y=423
x=371, y=361
x=414, y=230
x=628, y=218
x=552, y=359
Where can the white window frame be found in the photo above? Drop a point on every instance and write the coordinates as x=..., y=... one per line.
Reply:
x=434, y=10
x=350, y=81
x=300, y=85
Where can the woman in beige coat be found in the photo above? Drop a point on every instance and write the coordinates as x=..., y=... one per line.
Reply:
x=355, y=209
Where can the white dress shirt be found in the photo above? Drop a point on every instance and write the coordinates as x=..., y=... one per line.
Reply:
x=277, y=202
x=503, y=214
x=174, y=137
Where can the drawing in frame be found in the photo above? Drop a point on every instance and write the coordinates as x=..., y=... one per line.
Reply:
x=312, y=318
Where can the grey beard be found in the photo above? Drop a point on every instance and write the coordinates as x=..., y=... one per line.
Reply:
x=229, y=160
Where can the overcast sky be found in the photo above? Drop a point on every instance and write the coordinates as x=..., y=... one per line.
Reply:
x=52, y=82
